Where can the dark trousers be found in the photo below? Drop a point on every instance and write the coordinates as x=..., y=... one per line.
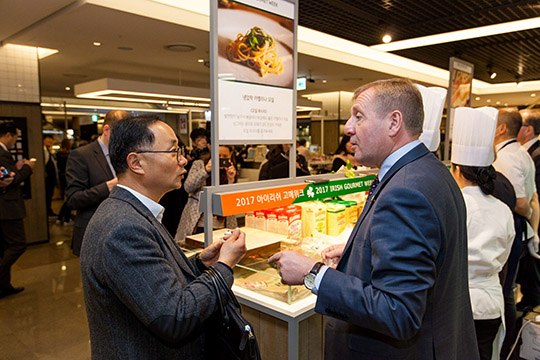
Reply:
x=529, y=279
x=65, y=213
x=486, y=330
x=49, y=191
x=508, y=291
x=14, y=245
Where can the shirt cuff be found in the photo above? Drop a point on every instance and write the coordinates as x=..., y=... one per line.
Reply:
x=318, y=279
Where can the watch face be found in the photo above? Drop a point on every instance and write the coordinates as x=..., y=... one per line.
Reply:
x=309, y=280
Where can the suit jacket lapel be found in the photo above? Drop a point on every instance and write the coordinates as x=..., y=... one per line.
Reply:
x=101, y=160
x=412, y=155
x=179, y=257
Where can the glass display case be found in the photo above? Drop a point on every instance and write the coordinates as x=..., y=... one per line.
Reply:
x=304, y=214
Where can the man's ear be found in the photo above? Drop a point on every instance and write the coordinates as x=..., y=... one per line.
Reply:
x=501, y=129
x=395, y=122
x=136, y=163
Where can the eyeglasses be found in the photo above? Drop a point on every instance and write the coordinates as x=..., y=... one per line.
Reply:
x=180, y=151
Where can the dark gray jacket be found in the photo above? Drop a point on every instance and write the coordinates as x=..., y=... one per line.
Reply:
x=144, y=299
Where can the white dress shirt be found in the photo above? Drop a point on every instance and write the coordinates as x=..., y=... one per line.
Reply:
x=514, y=162
x=154, y=207
x=529, y=143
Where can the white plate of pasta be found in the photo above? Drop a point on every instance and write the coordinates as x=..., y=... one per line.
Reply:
x=255, y=48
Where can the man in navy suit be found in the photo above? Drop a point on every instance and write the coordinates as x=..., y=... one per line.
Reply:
x=400, y=289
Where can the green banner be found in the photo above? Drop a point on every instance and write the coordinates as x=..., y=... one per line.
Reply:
x=334, y=188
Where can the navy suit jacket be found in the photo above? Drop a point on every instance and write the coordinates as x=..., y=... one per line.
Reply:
x=87, y=172
x=144, y=299
x=400, y=290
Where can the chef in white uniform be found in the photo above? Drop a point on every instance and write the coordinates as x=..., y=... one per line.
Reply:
x=490, y=225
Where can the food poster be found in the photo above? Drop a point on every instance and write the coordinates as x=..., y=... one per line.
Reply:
x=255, y=70
x=461, y=83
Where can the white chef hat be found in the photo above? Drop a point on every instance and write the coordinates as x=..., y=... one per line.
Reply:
x=433, y=99
x=473, y=134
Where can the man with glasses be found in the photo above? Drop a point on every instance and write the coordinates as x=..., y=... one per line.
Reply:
x=144, y=298
x=90, y=177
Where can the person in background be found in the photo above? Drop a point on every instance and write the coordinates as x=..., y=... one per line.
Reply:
x=174, y=203
x=277, y=166
x=200, y=138
x=517, y=166
x=344, y=153
x=90, y=177
x=490, y=223
x=50, y=172
x=12, y=211
x=64, y=216
x=192, y=220
x=529, y=268
x=144, y=298
x=400, y=289
x=302, y=149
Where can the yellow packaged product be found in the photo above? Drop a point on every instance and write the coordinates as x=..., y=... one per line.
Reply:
x=336, y=216
x=313, y=218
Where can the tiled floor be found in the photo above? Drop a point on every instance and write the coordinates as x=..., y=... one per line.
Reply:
x=47, y=320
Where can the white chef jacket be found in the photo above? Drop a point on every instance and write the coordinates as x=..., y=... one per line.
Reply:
x=490, y=230
x=514, y=162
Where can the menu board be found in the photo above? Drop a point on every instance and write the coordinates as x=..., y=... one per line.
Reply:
x=461, y=73
x=459, y=94
x=255, y=70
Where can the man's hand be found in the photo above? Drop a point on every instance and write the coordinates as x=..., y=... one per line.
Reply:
x=332, y=254
x=111, y=183
x=533, y=246
x=292, y=266
x=231, y=174
x=7, y=179
x=19, y=164
x=209, y=256
x=233, y=248
x=208, y=166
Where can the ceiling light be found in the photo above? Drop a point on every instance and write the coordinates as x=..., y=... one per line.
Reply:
x=200, y=60
x=533, y=95
x=505, y=104
x=44, y=52
x=477, y=98
x=67, y=88
x=96, y=43
x=488, y=100
x=180, y=47
x=135, y=91
x=498, y=103
x=386, y=38
x=324, y=81
x=459, y=35
x=493, y=75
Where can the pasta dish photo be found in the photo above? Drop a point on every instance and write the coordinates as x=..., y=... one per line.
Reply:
x=257, y=50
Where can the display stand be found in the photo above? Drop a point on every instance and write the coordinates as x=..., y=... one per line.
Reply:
x=296, y=321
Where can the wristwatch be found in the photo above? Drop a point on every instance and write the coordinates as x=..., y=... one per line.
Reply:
x=309, y=279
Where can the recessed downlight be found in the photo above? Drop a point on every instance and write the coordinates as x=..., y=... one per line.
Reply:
x=96, y=43
x=477, y=98
x=200, y=60
x=180, y=47
x=67, y=88
x=533, y=95
x=488, y=100
x=386, y=38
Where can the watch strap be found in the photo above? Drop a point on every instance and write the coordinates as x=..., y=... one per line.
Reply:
x=316, y=268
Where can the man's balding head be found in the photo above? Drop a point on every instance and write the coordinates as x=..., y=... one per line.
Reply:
x=512, y=119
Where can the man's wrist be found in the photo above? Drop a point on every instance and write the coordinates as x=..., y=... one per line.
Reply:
x=530, y=213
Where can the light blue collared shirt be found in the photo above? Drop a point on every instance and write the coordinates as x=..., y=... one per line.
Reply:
x=154, y=207
x=386, y=165
x=105, y=150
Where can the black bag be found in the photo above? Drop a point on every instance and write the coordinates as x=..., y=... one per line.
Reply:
x=232, y=335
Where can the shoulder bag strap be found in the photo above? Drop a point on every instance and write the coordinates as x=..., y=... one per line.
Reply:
x=223, y=284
